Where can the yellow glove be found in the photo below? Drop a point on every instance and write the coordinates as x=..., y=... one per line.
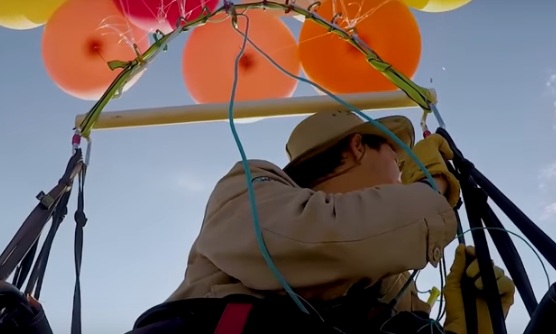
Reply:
x=432, y=152
x=455, y=309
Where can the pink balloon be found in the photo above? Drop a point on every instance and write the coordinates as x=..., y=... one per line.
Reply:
x=148, y=15
x=188, y=9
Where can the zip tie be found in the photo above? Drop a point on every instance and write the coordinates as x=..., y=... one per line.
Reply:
x=434, y=294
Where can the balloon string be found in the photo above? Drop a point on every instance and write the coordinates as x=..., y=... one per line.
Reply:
x=99, y=54
x=250, y=190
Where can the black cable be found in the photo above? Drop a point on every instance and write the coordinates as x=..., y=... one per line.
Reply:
x=473, y=200
x=507, y=250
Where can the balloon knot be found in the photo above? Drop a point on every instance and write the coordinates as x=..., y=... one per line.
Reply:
x=246, y=62
x=94, y=47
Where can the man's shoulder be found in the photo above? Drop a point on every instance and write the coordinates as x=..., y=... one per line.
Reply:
x=259, y=170
x=264, y=176
x=257, y=164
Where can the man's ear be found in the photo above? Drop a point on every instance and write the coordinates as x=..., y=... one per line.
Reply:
x=357, y=146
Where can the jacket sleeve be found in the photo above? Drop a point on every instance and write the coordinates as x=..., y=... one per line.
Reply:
x=315, y=238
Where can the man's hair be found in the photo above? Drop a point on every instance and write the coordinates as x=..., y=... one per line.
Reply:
x=310, y=171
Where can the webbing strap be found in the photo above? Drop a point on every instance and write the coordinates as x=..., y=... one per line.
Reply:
x=80, y=220
x=26, y=237
x=233, y=318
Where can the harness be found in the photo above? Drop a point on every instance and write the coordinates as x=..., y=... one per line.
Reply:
x=234, y=318
x=360, y=311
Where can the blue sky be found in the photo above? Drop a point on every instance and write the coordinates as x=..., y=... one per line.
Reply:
x=493, y=64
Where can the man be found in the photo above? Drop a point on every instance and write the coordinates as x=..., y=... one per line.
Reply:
x=339, y=225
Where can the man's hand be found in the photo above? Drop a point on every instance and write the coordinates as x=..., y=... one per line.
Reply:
x=455, y=310
x=432, y=152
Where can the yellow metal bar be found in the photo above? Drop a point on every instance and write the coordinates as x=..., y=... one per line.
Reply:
x=252, y=109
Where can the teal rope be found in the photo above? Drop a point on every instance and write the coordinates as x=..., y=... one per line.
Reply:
x=260, y=240
x=251, y=192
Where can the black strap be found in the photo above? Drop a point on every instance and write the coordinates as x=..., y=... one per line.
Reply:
x=22, y=248
x=80, y=220
x=24, y=267
x=28, y=234
x=34, y=284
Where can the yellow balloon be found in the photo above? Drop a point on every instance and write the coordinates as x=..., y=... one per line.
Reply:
x=27, y=14
x=436, y=6
x=11, y=16
x=416, y=4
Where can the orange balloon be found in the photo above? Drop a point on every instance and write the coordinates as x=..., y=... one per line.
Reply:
x=211, y=50
x=78, y=41
x=386, y=26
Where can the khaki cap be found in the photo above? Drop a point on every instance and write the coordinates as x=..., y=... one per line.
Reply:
x=322, y=130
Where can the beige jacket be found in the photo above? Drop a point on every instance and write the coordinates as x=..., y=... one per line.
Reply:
x=321, y=243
